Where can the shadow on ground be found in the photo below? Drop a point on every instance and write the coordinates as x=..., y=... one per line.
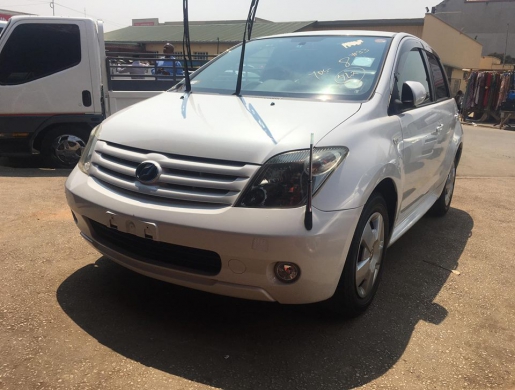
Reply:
x=33, y=166
x=238, y=344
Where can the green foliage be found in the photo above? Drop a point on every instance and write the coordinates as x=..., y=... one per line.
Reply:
x=509, y=59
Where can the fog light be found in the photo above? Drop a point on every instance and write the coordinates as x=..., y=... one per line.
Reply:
x=287, y=272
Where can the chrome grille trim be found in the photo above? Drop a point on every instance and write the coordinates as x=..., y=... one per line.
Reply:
x=204, y=180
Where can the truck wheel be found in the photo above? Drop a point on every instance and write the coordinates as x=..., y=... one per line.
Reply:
x=443, y=203
x=62, y=147
x=363, y=267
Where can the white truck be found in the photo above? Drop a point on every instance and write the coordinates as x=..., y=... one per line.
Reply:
x=55, y=87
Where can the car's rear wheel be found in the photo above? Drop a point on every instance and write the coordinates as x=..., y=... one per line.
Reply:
x=364, y=264
x=62, y=147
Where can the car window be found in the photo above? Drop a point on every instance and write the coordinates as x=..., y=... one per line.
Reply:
x=335, y=67
x=35, y=50
x=411, y=67
x=440, y=85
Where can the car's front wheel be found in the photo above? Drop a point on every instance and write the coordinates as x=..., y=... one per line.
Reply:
x=364, y=265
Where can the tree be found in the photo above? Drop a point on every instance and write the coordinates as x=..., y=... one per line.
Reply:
x=509, y=59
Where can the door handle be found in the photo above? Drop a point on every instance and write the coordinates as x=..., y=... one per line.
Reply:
x=86, y=98
x=438, y=129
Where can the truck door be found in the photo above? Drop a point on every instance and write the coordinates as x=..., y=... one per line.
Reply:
x=44, y=71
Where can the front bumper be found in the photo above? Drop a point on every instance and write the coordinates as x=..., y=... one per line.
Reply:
x=249, y=242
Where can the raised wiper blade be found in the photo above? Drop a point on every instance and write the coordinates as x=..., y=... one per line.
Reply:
x=248, y=33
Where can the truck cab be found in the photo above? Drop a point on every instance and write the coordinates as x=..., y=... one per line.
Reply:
x=50, y=95
x=54, y=87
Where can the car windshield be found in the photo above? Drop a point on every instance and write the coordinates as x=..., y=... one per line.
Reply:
x=326, y=66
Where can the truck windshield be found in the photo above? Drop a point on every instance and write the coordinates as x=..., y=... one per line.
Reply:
x=326, y=66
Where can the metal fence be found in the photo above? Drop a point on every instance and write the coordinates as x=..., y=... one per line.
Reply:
x=140, y=71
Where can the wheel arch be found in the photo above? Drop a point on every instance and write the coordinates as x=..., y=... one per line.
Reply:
x=457, y=158
x=85, y=122
x=388, y=190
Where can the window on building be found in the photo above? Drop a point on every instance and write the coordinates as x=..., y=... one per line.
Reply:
x=34, y=51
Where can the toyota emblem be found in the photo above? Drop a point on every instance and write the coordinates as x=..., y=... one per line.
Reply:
x=148, y=172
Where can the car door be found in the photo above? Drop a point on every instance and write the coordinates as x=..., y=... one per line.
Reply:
x=45, y=69
x=440, y=161
x=419, y=126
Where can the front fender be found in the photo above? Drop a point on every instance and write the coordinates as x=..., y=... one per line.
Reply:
x=373, y=156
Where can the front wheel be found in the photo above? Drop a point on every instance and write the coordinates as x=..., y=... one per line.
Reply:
x=62, y=147
x=364, y=265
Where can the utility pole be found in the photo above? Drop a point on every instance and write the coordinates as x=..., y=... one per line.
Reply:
x=52, y=5
x=505, y=46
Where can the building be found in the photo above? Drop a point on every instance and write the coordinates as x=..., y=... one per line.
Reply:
x=490, y=22
x=6, y=14
x=458, y=51
x=207, y=38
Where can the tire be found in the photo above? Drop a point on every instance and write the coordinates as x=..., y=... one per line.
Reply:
x=364, y=264
x=62, y=146
x=443, y=203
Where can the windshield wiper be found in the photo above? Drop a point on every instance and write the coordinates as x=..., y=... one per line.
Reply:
x=186, y=46
x=246, y=36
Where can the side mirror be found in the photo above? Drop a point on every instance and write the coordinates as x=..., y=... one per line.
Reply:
x=413, y=94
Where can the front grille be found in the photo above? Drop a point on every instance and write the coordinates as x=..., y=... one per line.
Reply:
x=183, y=178
x=178, y=257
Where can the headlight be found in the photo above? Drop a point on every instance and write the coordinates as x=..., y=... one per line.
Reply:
x=283, y=180
x=85, y=160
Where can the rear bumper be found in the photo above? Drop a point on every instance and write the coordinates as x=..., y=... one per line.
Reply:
x=249, y=242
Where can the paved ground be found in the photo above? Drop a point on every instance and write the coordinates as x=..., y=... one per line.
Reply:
x=70, y=319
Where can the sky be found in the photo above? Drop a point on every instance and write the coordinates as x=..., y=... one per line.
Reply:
x=119, y=13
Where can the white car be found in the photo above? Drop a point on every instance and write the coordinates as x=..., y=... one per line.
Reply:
x=211, y=190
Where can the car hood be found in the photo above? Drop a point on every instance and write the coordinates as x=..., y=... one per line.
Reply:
x=247, y=129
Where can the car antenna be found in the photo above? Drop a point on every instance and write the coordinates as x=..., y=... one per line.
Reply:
x=186, y=45
x=308, y=217
x=246, y=36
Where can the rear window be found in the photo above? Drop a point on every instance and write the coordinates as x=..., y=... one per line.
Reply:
x=37, y=50
x=329, y=67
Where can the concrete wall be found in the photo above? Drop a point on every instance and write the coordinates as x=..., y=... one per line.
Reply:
x=454, y=48
x=493, y=63
x=486, y=21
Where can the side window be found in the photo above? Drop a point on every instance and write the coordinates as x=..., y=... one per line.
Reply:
x=37, y=50
x=411, y=67
x=440, y=86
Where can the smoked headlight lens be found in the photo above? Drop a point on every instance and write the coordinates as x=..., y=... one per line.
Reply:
x=283, y=181
x=85, y=160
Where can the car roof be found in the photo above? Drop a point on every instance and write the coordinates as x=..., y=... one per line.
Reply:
x=364, y=33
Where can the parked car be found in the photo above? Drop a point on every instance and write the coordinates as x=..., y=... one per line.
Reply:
x=210, y=190
x=2, y=25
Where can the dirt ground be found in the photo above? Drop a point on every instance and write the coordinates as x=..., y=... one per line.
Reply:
x=443, y=318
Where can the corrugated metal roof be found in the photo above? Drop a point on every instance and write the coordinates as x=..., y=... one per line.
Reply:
x=226, y=32
x=370, y=22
